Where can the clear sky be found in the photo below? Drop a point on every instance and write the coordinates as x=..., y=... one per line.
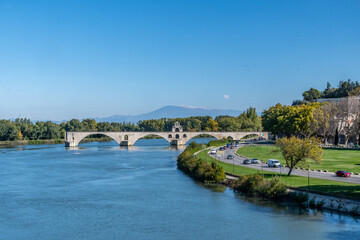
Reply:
x=73, y=59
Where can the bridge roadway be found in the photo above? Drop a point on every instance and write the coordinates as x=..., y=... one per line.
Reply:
x=175, y=137
x=323, y=175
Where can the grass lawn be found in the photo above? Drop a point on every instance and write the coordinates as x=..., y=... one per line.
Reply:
x=321, y=185
x=333, y=159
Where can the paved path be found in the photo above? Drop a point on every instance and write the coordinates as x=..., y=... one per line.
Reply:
x=239, y=161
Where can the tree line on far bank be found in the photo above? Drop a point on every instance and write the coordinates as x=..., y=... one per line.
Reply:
x=25, y=129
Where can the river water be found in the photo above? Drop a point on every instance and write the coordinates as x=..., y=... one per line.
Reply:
x=103, y=191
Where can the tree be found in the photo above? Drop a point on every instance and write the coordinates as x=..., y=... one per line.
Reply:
x=290, y=120
x=355, y=92
x=211, y=125
x=19, y=136
x=89, y=125
x=295, y=150
x=311, y=95
x=228, y=124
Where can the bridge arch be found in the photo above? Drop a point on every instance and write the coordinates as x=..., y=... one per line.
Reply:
x=166, y=136
x=83, y=136
x=249, y=134
x=189, y=138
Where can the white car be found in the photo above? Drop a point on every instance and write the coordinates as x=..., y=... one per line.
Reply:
x=213, y=151
x=273, y=163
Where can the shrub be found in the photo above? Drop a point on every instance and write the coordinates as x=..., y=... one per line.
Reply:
x=257, y=185
x=273, y=189
x=200, y=169
x=248, y=183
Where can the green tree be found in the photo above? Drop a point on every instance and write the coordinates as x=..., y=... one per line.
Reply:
x=74, y=125
x=295, y=150
x=311, y=95
x=211, y=125
x=89, y=125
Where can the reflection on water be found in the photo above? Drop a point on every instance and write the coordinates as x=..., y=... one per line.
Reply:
x=104, y=191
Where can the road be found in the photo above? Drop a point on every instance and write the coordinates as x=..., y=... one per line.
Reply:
x=323, y=175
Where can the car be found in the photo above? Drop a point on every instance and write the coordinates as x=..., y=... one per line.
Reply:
x=273, y=163
x=213, y=151
x=255, y=161
x=232, y=147
x=221, y=148
x=342, y=173
x=225, y=147
x=246, y=161
x=230, y=157
x=236, y=145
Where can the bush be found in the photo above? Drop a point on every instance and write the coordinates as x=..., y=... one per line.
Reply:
x=248, y=183
x=200, y=169
x=273, y=189
x=257, y=185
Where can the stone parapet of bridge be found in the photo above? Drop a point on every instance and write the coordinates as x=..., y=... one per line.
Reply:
x=175, y=137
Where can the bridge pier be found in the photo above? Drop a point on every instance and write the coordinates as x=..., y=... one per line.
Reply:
x=126, y=143
x=177, y=142
x=70, y=144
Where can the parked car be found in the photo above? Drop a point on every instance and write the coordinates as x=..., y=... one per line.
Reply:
x=213, y=151
x=221, y=148
x=225, y=147
x=255, y=161
x=232, y=147
x=230, y=157
x=342, y=173
x=246, y=161
x=273, y=163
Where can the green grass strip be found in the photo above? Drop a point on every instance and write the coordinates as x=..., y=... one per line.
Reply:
x=325, y=186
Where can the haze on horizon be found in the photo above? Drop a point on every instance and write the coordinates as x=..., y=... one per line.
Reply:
x=74, y=59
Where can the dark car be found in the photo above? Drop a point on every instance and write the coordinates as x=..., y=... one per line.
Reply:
x=232, y=147
x=230, y=157
x=225, y=147
x=246, y=161
x=342, y=173
x=221, y=148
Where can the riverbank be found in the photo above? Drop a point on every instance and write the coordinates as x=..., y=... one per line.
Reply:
x=313, y=199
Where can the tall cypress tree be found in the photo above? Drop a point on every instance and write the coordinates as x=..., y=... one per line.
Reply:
x=336, y=137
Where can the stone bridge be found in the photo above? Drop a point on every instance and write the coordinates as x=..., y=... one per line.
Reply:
x=176, y=137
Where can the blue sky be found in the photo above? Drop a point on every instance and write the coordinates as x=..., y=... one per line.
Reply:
x=74, y=59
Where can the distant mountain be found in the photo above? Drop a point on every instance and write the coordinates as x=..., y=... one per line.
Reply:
x=171, y=112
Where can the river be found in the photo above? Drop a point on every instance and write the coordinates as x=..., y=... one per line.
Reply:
x=103, y=191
